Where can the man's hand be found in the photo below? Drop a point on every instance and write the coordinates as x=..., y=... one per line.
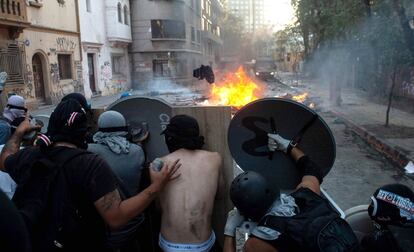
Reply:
x=234, y=220
x=26, y=127
x=276, y=142
x=166, y=174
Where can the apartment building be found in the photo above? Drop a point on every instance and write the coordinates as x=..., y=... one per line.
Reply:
x=251, y=12
x=105, y=27
x=171, y=38
x=40, y=49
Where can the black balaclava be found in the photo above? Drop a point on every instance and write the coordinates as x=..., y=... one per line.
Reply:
x=67, y=123
x=183, y=132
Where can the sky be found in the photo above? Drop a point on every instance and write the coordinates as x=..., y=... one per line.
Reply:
x=279, y=12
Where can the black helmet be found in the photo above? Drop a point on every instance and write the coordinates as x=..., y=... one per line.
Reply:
x=252, y=195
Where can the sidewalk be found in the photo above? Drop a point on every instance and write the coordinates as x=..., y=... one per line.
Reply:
x=367, y=120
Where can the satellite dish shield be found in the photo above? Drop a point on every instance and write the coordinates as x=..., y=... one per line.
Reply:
x=247, y=138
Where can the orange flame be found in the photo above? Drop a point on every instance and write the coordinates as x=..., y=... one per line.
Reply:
x=236, y=90
x=300, y=98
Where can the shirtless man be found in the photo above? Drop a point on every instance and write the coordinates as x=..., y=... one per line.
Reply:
x=187, y=203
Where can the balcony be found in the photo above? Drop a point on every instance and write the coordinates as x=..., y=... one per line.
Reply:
x=13, y=15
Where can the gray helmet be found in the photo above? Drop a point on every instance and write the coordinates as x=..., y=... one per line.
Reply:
x=111, y=121
x=252, y=195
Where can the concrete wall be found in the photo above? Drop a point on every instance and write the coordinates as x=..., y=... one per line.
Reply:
x=95, y=26
x=53, y=15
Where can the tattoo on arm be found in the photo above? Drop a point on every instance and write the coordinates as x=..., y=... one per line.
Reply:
x=12, y=146
x=110, y=199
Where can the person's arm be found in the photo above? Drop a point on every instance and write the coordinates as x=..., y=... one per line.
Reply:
x=253, y=244
x=312, y=174
x=234, y=220
x=229, y=244
x=117, y=213
x=308, y=181
x=13, y=144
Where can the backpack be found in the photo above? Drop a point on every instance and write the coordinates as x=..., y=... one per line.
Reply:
x=316, y=228
x=42, y=196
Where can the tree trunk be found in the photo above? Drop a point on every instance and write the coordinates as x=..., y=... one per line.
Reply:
x=393, y=78
x=407, y=31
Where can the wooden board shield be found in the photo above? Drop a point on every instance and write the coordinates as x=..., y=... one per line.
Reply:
x=247, y=138
x=153, y=112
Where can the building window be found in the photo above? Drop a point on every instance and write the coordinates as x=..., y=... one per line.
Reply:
x=88, y=6
x=11, y=62
x=65, y=66
x=168, y=29
x=126, y=15
x=193, y=34
x=117, y=61
x=198, y=36
x=119, y=13
x=168, y=68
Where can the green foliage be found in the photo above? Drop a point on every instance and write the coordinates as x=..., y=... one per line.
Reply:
x=373, y=39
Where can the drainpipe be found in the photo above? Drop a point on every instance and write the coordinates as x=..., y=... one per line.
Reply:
x=78, y=28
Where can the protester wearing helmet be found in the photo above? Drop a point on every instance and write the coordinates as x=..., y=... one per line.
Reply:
x=392, y=211
x=300, y=221
x=126, y=159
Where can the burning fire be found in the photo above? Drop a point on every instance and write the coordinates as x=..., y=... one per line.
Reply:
x=236, y=90
x=300, y=98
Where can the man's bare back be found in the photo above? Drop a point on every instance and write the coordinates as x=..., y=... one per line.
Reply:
x=187, y=202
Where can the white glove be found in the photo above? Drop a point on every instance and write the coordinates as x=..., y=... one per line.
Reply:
x=276, y=142
x=234, y=220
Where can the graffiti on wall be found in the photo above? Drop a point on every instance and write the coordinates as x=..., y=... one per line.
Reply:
x=54, y=72
x=64, y=44
x=106, y=71
x=29, y=80
x=78, y=82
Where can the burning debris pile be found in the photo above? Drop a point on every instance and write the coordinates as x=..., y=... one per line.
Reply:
x=235, y=89
x=303, y=98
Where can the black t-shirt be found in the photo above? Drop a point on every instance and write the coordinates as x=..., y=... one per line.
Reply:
x=89, y=178
x=13, y=232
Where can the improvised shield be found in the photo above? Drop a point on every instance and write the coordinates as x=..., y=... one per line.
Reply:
x=247, y=138
x=143, y=113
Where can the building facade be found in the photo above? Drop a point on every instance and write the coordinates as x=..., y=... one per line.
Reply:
x=40, y=49
x=105, y=27
x=171, y=38
x=211, y=13
x=251, y=12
